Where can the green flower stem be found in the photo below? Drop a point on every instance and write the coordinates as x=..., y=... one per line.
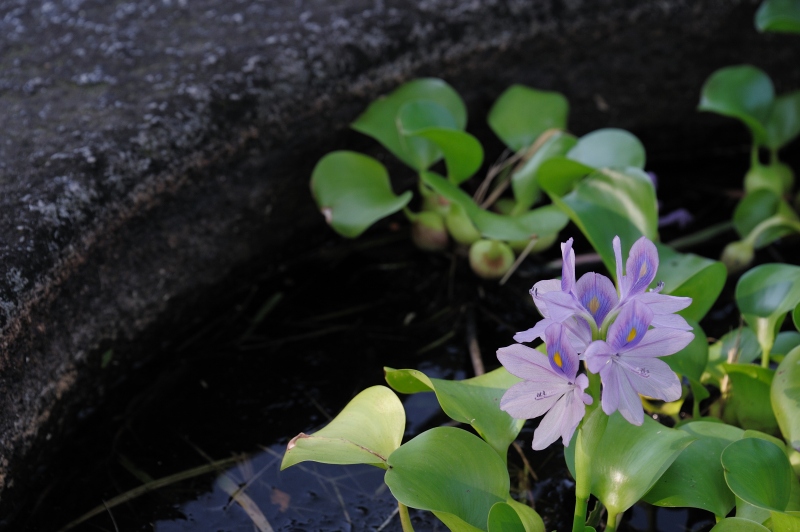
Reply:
x=405, y=520
x=766, y=339
x=701, y=236
x=772, y=221
x=583, y=484
x=611, y=522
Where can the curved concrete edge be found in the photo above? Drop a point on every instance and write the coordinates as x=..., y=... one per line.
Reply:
x=184, y=153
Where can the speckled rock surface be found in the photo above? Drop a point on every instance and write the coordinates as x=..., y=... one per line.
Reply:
x=149, y=147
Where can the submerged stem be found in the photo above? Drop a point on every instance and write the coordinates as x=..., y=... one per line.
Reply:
x=405, y=519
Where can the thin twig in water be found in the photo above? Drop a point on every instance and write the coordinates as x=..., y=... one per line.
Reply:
x=436, y=343
x=388, y=520
x=520, y=158
x=146, y=488
x=525, y=461
x=472, y=343
x=111, y=515
x=522, y=256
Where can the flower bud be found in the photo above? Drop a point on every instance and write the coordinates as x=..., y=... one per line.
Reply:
x=428, y=231
x=490, y=259
x=460, y=226
x=737, y=256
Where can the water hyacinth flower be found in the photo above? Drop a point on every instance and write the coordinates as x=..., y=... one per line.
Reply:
x=627, y=363
x=586, y=306
x=551, y=386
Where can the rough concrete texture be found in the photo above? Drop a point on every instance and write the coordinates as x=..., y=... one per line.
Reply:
x=149, y=147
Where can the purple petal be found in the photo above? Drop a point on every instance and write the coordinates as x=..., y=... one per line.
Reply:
x=630, y=326
x=541, y=288
x=652, y=377
x=562, y=305
x=567, y=266
x=598, y=355
x=528, y=364
x=597, y=295
x=537, y=331
x=660, y=343
x=670, y=321
x=562, y=356
x=641, y=267
x=527, y=400
x=579, y=333
x=664, y=304
x=550, y=427
x=581, y=383
x=618, y=260
x=574, y=410
x=618, y=394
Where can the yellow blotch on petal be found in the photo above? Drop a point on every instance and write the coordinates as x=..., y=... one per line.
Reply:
x=643, y=269
x=594, y=304
x=632, y=334
x=557, y=358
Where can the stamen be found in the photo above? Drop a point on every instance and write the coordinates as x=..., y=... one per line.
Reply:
x=659, y=287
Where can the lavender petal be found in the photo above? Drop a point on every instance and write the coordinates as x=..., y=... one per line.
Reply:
x=550, y=427
x=652, y=377
x=664, y=304
x=660, y=343
x=527, y=400
x=567, y=266
x=641, y=267
x=597, y=295
x=598, y=355
x=562, y=356
x=618, y=394
x=630, y=326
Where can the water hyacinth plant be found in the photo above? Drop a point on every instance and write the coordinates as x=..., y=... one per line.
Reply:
x=600, y=371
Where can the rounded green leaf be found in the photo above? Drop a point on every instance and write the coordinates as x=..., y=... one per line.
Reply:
x=783, y=124
x=474, y=401
x=754, y=208
x=609, y=148
x=608, y=204
x=366, y=431
x=524, y=181
x=739, y=345
x=463, y=153
x=743, y=92
x=758, y=472
x=629, y=459
x=738, y=524
x=778, y=16
x=521, y=114
x=531, y=521
x=353, y=191
x=690, y=275
x=449, y=471
x=379, y=121
x=784, y=343
x=691, y=361
x=696, y=478
x=785, y=397
x=785, y=521
x=749, y=402
x=764, y=295
x=503, y=518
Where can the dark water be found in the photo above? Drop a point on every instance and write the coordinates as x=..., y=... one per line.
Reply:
x=286, y=353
